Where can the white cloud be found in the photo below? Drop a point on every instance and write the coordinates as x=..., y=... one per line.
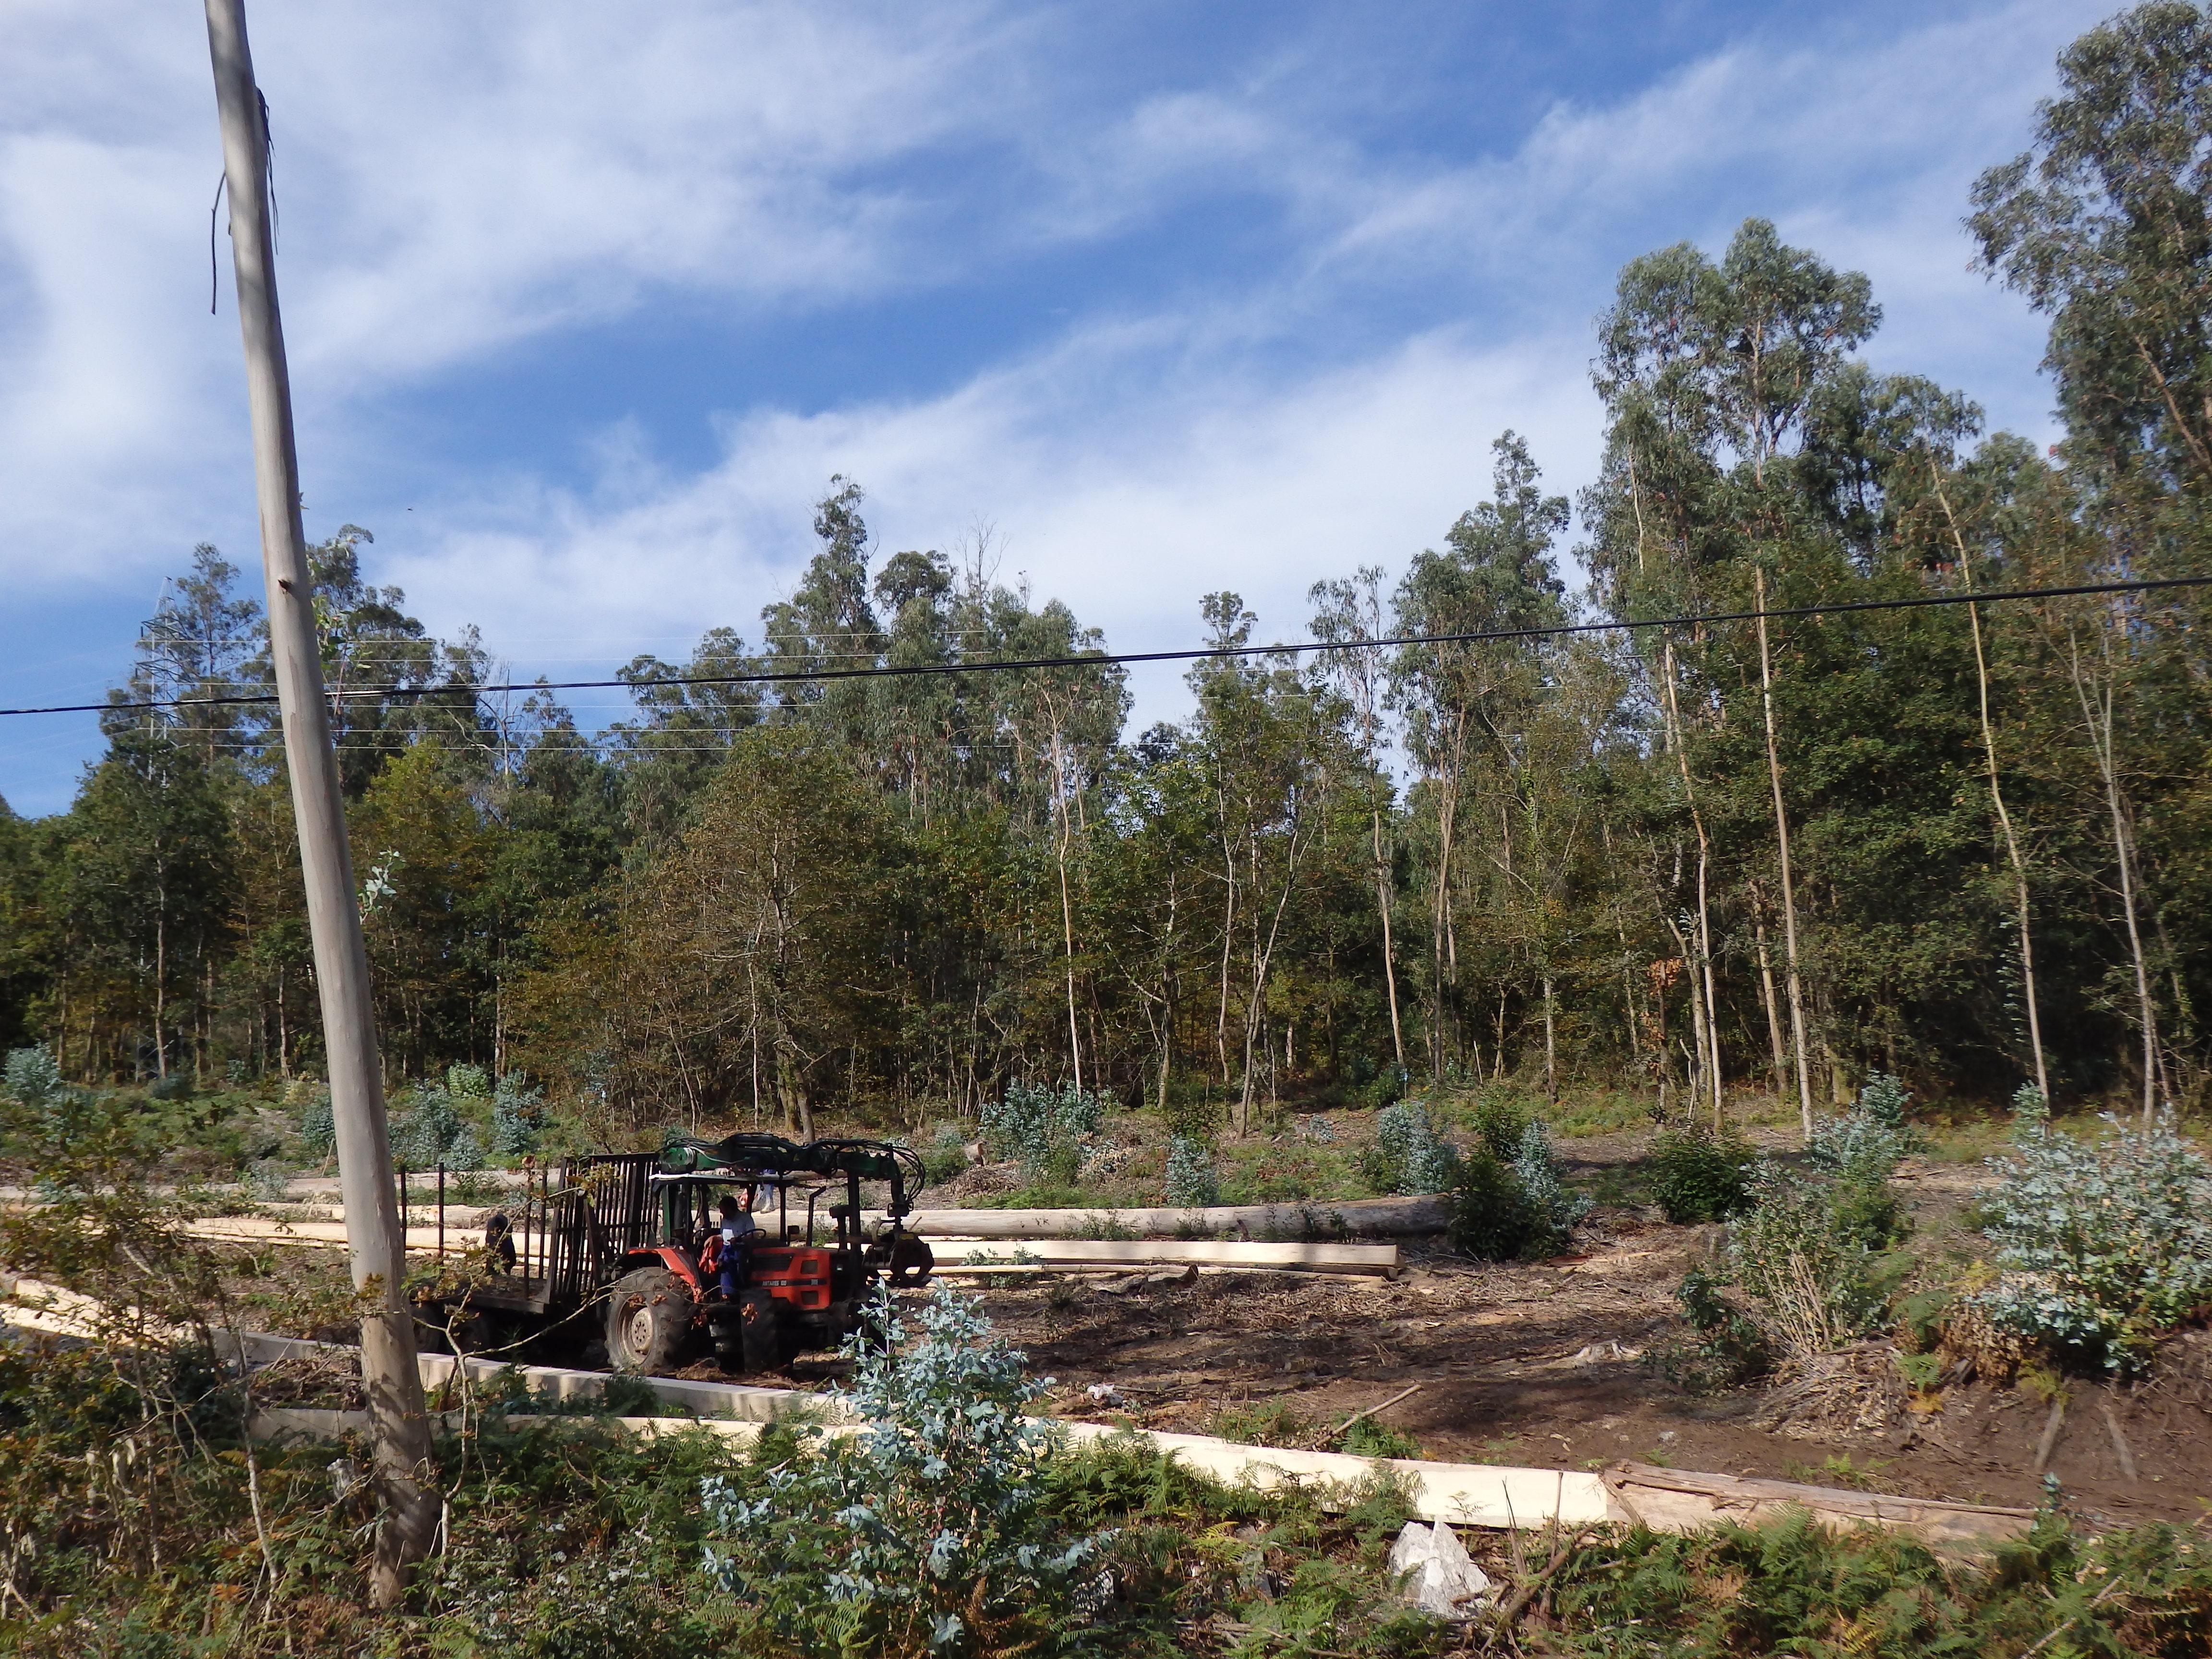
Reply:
x=459, y=182
x=1134, y=464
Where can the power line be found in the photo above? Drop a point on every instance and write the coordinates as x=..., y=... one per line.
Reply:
x=1102, y=658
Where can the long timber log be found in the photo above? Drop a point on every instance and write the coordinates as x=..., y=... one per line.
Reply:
x=1371, y=1218
x=1048, y=1253
x=1361, y=1218
x=1462, y=1494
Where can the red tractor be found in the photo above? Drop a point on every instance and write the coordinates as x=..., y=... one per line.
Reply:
x=800, y=1279
x=641, y=1234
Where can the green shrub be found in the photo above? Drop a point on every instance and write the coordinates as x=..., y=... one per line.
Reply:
x=1698, y=1177
x=1273, y=1422
x=1728, y=1349
x=318, y=1129
x=1368, y=1438
x=1501, y=1211
x=518, y=1112
x=1805, y=1266
x=1407, y=1155
x=944, y=1155
x=1553, y=1207
x=1500, y=1122
x=1491, y=1217
x=931, y=1529
x=1042, y=1128
x=1191, y=1183
x=1857, y=1152
x=2101, y=1248
x=430, y=1130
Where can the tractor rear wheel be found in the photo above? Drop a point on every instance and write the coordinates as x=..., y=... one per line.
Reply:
x=648, y=1321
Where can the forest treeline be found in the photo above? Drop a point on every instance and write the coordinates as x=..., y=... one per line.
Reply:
x=1967, y=844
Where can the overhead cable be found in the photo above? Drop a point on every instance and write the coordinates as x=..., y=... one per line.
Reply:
x=1104, y=659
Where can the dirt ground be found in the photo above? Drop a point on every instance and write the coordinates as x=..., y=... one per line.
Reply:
x=1559, y=1365
x=1554, y=1366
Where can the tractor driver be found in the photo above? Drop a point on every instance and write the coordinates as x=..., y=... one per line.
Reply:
x=726, y=1247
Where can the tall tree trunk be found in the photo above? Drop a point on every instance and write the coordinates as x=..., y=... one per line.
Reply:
x=1705, y=1010
x=1789, y=885
x=1551, y=1045
x=1228, y=937
x=1997, y=796
x=1447, y=812
x=1390, y=955
x=161, y=980
x=1067, y=911
x=2098, y=713
x=1767, y=999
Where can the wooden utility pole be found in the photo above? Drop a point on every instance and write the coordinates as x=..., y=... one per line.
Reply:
x=398, y=1427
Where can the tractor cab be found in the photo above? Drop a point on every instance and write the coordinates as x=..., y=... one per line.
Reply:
x=800, y=1281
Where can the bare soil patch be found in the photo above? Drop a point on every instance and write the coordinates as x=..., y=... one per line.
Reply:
x=1550, y=1366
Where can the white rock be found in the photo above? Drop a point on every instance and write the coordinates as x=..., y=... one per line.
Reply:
x=1435, y=1574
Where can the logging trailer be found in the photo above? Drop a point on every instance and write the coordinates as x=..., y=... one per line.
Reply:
x=617, y=1245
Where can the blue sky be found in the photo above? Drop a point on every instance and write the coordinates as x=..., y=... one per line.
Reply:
x=584, y=303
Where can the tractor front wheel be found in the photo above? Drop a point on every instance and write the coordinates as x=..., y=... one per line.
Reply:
x=761, y=1332
x=648, y=1321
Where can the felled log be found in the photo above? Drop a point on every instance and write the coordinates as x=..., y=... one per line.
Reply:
x=1679, y=1500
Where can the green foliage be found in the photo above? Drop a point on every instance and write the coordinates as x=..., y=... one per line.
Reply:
x=1793, y=1586
x=930, y=1529
x=318, y=1130
x=1491, y=1219
x=428, y=1129
x=1524, y=1208
x=1408, y=1155
x=1368, y=1438
x=2100, y=228
x=945, y=1154
x=1553, y=1208
x=1191, y=1183
x=518, y=1113
x=1501, y=1210
x=2101, y=1246
x=45, y=1104
x=1729, y=1349
x=1271, y=1422
x=1804, y=1263
x=1805, y=1254
x=1042, y=1128
x=1698, y=1175
x=1500, y=1122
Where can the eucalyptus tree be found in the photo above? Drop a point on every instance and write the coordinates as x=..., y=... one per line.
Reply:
x=2105, y=226
x=1271, y=760
x=1458, y=696
x=194, y=651
x=148, y=868
x=1348, y=616
x=1708, y=370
